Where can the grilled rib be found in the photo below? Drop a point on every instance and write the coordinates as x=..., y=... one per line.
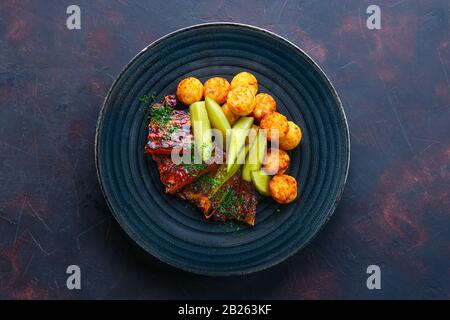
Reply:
x=168, y=128
x=176, y=176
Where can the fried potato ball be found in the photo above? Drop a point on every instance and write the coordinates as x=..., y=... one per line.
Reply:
x=190, y=90
x=217, y=88
x=283, y=188
x=241, y=101
x=276, y=161
x=292, y=138
x=245, y=79
x=232, y=118
x=265, y=104
x=276, y=126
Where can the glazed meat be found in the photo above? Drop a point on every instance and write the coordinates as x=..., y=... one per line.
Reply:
x=234, y=200
x=216, y=193
x=175, y=177
x=199, y=192
x=168, y=128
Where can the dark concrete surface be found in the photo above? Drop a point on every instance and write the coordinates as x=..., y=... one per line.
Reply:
x=394, y=84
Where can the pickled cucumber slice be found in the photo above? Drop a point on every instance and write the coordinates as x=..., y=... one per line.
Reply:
x=255, y=156
x=201, y=128
x=237, y=140
x=217, y=118
x=261, y=182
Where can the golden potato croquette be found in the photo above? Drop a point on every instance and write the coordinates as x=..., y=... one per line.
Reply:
x=232, y=118
x=241, y=101
x=265, y=105
x=245, y=79
x=292, y=138
x=283, y=188
x=276, y=161
x=190, y=90
x=217, y=88
x=276, y=126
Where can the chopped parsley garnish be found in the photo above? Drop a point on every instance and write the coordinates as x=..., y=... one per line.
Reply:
x=192, y=167
x=210, y=181
x=160, y=115
x=148, y=98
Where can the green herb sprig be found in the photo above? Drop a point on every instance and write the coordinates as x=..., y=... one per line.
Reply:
x=148, y=98
x=160, y=115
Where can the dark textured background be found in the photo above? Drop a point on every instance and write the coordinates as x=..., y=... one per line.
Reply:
x=394, y=84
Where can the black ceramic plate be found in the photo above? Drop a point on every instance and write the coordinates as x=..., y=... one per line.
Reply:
x=167, y=227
